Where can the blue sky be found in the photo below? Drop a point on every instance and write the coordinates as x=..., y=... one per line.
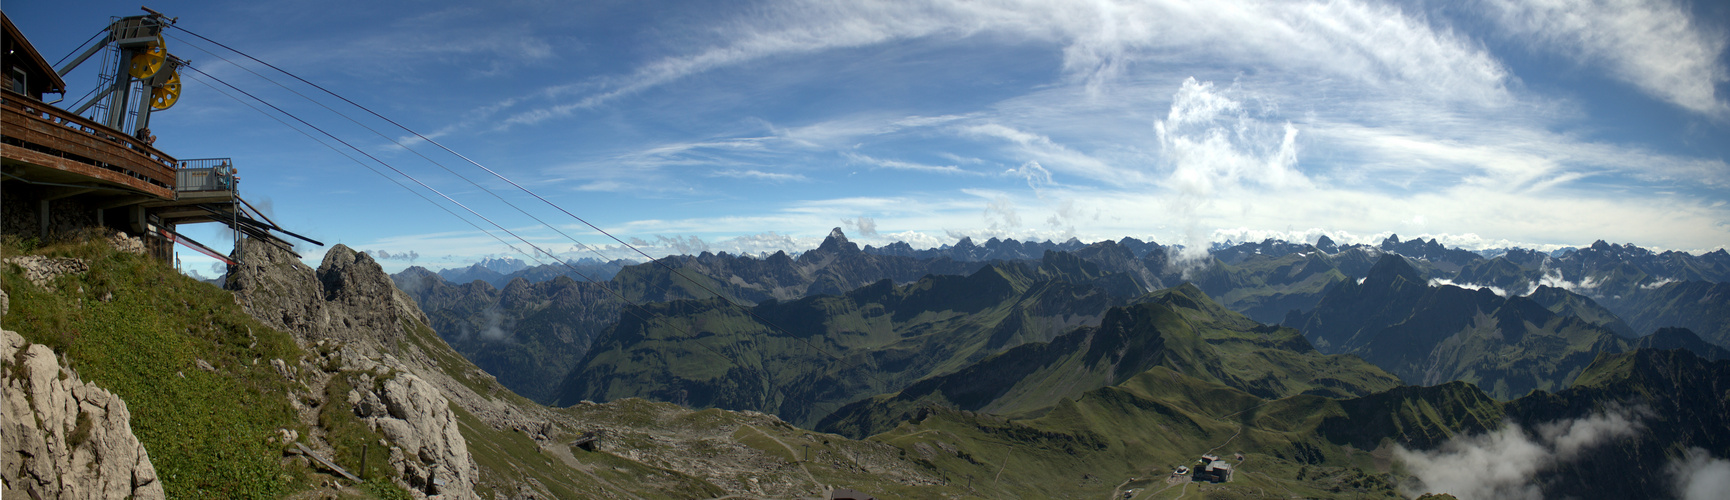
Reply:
x=751, y=127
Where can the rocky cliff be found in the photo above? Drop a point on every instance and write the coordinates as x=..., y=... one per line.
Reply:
x=63, y=438
x=371, y=350
x=349, y=311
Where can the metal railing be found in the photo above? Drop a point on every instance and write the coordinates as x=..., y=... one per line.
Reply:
x=205, y=174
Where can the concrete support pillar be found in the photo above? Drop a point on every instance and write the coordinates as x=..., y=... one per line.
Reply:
x=140, y=224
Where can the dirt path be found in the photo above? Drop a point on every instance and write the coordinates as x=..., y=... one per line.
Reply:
x=1117, y=493
x=790, y=451
x=564, y=455
x=1228, y=440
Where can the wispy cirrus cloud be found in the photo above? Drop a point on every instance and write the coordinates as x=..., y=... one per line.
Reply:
x=760, y=175
x=1655, y=45
x=1375, y=45
x=903, y=165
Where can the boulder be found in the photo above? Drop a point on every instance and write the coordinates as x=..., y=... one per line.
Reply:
x=63, y=438
x=419, y=420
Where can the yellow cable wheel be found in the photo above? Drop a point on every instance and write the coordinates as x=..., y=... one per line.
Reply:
x=147, y=63
x=165, y=96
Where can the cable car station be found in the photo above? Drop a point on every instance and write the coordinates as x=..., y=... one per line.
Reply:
x=65, y=169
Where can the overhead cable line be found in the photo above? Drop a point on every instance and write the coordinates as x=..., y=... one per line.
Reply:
x=531, y=256
x=363, y=164
x=580, y=244
x=68, y=55
x=513, y=183
x=626, y=300
x=401, y=145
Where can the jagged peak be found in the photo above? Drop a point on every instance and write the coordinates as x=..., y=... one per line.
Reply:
x=1389, y=267
x=837, y=242
x=416, y=271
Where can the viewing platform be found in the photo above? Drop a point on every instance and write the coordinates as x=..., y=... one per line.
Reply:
x=51, y=145
x=63, y=173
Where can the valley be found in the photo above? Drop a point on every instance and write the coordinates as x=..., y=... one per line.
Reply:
x=1074, y=353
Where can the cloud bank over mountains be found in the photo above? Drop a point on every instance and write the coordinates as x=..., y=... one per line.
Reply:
x=1503, y=464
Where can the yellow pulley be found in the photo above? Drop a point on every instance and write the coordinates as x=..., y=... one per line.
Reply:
x=148, y=62
x=165, y=96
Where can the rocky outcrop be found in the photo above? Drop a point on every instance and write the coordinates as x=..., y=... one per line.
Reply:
x=126, y=244
x=351, y=311
x=349, y=298
x=428, y=446
x=63, y=438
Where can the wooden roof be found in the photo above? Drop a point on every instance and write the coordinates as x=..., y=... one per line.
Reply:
x=56, y=85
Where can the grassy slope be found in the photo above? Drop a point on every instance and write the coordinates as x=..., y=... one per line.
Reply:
x=647, y=448
x=1178, y=328
x=885, y=337
x=1143, y=428
x=1266, y=288
x=1310, y=446
x=206, y=432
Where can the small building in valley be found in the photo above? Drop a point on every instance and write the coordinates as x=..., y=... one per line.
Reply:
x=1213, y=469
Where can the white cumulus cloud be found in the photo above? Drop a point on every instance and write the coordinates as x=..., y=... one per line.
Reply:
x=1700, y=476
x=1501, y=464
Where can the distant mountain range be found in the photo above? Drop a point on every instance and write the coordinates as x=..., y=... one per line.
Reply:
x=1428, y=335
x=1178, y=329
x=532, y=329
x=801, y=359
x=498, y=272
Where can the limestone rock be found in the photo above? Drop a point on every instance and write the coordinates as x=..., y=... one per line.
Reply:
x=42, y=270
x=414, y=416
x=349, y=298
x=62, y=438
x=128, y=244
x=419, y=420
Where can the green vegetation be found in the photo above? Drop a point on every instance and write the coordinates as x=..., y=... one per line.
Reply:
x=352, y=439
x=138, y=329
x=803, y=359
x=1006, y=397
x=1179, y=328
x=1432, y=335
x=1701, y=306
x=1265, y=288
x=1086, y=447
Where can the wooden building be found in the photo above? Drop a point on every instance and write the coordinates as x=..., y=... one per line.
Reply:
x=62, y=174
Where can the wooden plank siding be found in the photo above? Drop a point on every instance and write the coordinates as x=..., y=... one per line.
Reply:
x=58, y=139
